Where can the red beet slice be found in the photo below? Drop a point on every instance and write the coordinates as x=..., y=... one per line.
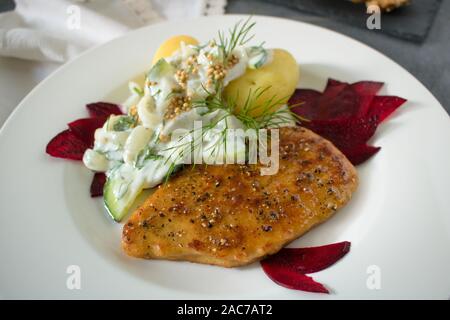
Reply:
x=67, y=145
x=366, y=91
x=291, y=279
x=304, y=102
x=361, y=87
x=348, y=135
x=383, y=106
x=339, y=100
x=361, y=153
x=98, y=181
x=346, y=114
x=289, y=266
x=344, y=133
x=85, y=128
x=103, y=109
x=367, y=88
x=309, y=260
x=333, y=82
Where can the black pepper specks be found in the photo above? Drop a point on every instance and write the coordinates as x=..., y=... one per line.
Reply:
x=274, y=215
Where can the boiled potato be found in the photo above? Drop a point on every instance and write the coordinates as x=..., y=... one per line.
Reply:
x=171, y=45
x=280, y=76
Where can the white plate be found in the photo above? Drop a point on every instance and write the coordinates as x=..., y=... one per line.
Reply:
x=398, y=221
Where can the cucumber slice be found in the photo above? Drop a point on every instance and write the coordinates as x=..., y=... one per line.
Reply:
x=119, y=195
x=161, y=69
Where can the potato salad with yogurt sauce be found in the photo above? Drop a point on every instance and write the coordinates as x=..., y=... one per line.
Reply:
x=138, y=150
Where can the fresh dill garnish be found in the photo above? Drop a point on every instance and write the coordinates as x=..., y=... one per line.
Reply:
x=124, y=123
x=253, y=114
x=172, y=169
x=237, y=36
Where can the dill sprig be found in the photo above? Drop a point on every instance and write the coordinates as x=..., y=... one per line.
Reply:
x=179, y=151
x=254, y=114
x=237, y=36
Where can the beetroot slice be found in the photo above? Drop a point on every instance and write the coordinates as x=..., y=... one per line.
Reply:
x=351, y=134
x=367, y=88
x=383, y=106
x=304, y=102
x=85, y=128
x=344, y=133
x=361, y=153
x=338, y=101
x=366, y=91
x=309, y=260
x=291, y=279
x=346, y=114
x=98, y=181
x=333, y=82
x=348, y=135
x=289, y=266
x=67, y=145
x=103, y=109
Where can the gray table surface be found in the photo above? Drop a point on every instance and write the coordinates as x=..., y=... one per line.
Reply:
x=429, y=61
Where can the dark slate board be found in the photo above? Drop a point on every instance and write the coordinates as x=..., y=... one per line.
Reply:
x=411, y=22
x=7, y=5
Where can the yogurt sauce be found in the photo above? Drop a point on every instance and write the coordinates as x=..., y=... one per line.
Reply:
x=136, y=148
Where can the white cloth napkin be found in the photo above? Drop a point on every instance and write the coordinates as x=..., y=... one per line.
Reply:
x=40, y=35
x=58, y=30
